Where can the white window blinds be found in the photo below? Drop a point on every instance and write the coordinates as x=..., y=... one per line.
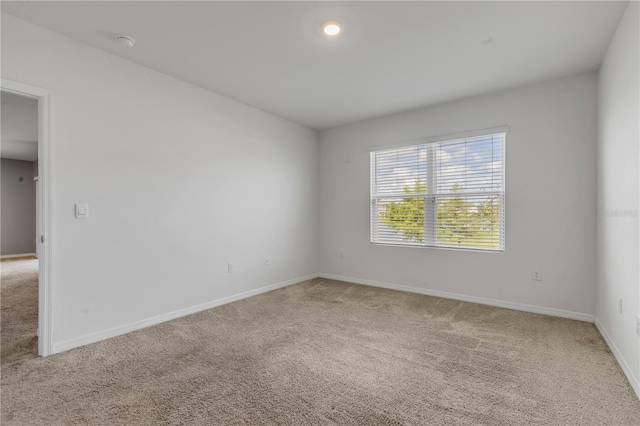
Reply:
x=440, y=194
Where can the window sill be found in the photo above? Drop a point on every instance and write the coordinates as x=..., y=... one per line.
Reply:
x=413, y=246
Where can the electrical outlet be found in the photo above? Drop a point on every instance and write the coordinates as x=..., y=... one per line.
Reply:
x=266, y=261
x=536, y=275
x=620, y=306
x=230, y=267
x=638, y=325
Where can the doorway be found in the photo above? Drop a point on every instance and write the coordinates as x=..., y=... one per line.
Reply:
x=20, y=266
x=26, y=246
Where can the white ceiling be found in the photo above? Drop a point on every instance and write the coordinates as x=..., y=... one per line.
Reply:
x=391, y=57
x=18, y=127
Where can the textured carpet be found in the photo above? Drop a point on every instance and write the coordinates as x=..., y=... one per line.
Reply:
x=18, y=309
x=327, y=352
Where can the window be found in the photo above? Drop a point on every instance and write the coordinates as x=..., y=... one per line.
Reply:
x=440, y=194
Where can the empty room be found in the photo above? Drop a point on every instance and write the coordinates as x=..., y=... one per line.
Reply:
x=304, y=213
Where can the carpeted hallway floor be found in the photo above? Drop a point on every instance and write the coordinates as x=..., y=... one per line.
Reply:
x=19, y=309
x=324, y=352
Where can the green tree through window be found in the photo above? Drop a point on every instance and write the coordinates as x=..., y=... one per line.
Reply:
x=407, y=216
x=460, y=222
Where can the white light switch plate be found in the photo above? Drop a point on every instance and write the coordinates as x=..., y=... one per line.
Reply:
x=82, y=211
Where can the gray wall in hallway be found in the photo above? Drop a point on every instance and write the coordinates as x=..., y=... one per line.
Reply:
x=18, y=208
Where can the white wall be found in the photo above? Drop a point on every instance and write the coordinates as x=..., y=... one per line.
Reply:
x=618, y=189
x=179, y=181
x=550, y=200
x=17, y=207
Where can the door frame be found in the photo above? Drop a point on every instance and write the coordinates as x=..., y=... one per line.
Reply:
x=45, y=211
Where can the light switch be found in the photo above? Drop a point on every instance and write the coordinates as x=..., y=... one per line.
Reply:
x=82, y=211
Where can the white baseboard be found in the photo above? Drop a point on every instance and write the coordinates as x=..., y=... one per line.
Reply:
x=474, y=299
x=11, y=256
x=137, y=325
x=635, y=383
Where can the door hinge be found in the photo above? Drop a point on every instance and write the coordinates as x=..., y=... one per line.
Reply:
x=42, y=238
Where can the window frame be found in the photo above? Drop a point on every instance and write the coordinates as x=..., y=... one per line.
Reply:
x=430, y=208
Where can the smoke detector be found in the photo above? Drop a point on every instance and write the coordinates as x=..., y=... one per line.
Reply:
x=125, y=41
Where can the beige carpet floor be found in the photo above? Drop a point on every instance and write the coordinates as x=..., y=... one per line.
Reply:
x=325, y=352
x=18, y=309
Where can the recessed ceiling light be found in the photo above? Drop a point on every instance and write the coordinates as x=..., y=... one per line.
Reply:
x=331, y=28
x=125, y=41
